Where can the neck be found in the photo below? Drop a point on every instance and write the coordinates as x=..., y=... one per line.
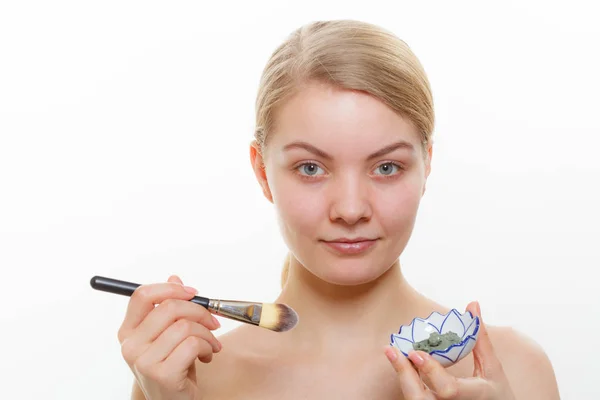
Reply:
x=333, y=316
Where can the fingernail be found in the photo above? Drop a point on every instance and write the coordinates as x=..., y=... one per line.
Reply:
x=190, y=290
x=391, y=354
x=216, y=321
x=416, y=358
x=220, y=345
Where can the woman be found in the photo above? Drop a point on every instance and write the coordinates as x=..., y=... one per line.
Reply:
x=343, y=150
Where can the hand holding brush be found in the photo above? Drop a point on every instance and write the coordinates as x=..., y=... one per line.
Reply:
x=165, y=331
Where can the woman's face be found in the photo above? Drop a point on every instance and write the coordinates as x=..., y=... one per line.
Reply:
x=346, y=175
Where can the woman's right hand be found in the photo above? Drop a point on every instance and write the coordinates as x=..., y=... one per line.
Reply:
x=161, y=344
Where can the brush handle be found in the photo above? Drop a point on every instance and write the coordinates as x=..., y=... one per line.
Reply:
x=127, y=288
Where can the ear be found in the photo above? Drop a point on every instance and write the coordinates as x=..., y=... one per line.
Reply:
x=258, y=165
x=428, y=165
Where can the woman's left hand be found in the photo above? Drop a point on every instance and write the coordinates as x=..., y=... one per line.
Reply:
x=430, y=380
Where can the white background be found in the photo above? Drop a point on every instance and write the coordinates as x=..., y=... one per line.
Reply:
x=124, y=152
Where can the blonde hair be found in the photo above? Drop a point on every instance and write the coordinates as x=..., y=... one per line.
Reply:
x=351, y=55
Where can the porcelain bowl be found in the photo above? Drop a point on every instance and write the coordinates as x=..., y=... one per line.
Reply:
x=464, y=325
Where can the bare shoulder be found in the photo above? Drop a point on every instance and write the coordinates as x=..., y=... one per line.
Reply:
x=525, y=363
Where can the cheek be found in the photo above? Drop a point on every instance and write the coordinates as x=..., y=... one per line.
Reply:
x=300, y=207
x=398, y=208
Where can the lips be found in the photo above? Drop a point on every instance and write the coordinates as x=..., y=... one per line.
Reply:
x=350, y=246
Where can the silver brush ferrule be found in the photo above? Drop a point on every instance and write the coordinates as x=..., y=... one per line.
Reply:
x=237, y=310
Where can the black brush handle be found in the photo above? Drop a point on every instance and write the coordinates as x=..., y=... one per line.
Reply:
x=127, y=288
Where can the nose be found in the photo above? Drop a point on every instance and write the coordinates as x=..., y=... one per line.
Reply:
x=350, y=201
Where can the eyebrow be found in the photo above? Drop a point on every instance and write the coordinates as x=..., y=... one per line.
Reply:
x=379, y=153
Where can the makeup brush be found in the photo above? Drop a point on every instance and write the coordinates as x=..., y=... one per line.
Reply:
x=276, y=317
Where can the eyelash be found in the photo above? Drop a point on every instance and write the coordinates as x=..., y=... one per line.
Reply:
x=313, y=177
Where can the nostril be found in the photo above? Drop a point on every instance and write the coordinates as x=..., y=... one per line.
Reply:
x=350, y=216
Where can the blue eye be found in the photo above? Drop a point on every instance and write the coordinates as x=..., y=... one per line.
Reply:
x=309, y=169
x=387, y=169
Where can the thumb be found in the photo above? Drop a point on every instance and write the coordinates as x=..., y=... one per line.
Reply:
x=487, y=364
x=175, y=279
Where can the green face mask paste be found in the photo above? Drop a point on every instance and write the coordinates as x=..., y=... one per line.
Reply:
x=437, y=342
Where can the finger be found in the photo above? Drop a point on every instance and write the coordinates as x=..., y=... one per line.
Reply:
x=435, y=376
x=409, y=379
x=487, y=364
x=178, y=369
x=174, y=335
x=177, y=333
x=169, y=311
x=145, y=297
x=186, y=354
x=168, y=327
x=175, y=279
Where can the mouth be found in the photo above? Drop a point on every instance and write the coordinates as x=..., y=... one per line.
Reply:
x=350, y=246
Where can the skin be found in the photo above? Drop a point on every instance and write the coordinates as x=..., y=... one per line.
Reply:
x=327, y=187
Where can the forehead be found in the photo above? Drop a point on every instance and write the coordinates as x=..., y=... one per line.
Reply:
x=340, y=121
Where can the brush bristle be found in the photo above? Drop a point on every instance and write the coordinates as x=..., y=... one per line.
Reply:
x=278, y=317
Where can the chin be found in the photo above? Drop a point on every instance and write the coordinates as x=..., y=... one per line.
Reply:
x=349, y=271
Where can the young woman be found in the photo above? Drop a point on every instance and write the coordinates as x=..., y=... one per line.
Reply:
x=343, y=150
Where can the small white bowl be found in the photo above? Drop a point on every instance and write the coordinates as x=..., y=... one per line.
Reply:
x=464, y=325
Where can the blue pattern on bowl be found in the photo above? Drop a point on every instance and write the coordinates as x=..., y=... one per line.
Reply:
x=464, y=325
